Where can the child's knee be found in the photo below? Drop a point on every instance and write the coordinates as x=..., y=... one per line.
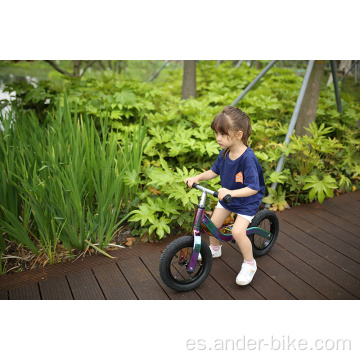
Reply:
x=239, y=233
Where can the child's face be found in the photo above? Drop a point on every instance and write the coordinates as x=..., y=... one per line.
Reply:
x=227, y=141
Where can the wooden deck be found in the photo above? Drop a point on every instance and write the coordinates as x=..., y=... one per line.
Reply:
x=316, y=256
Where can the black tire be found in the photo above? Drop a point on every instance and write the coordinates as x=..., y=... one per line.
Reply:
x=174, y=275
x=268, y=220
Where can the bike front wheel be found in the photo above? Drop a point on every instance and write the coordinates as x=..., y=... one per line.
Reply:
x=267, y=220
x=175, y=260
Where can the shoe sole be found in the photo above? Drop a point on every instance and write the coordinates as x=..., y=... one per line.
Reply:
x=242, y=283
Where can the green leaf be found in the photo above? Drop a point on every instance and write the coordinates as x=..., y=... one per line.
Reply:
x=277, y=177
x=160, y=225
x=116, y=114
x=131, y=178
x=212, y=148
x=261, y=155
x=320, y=188
x=268, y=200
x=16, y=229
x=144, y=214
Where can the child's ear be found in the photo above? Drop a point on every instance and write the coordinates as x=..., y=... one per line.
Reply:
x=239, y=135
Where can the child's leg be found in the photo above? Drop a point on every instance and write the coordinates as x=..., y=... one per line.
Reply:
x=218, y=218
x=239, y=234
x=248, y=268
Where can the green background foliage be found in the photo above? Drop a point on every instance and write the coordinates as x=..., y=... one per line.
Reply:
x=118, y=147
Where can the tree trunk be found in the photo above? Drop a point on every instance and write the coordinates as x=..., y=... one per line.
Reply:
x=308, y=108
x=119, y=66
x=343, y=67
x=189, y=79
x=77, y=64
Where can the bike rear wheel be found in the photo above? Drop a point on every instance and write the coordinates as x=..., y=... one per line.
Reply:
x=267, y=220
x=174, y=262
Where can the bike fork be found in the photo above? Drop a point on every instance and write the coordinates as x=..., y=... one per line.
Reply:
x=197, y=239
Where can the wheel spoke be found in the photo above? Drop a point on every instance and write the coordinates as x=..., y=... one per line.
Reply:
x=179, y=271
x=175, y=260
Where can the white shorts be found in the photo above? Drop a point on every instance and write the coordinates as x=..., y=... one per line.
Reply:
x=247, y=217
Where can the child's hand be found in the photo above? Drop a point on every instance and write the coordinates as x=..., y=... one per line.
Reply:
x=190, y=181
x=223, y=192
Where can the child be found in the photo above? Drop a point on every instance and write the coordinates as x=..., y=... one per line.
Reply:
x=241, y=177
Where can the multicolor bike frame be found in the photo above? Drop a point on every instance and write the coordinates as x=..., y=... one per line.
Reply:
x=202, y=221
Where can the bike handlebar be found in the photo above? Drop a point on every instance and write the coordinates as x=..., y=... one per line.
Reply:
x=227, y=199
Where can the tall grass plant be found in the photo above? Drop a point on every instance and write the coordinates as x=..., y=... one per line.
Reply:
x=64, y=182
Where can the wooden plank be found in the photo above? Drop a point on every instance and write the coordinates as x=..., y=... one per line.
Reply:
x=338, y=222
x=52, y=271
x=12, y=281
x=140, y=280
x=4, y=295
x=351, y=197
x=151, y=261
x=344, y=214
x=354, y=194
x=268, y=288
x=353, y=210
x=351, y=207
x=225, y=276
x=211, y=290
x=328, y=226
x=143, y=249
x=261, y=283
x=292, y=283
x=322, y=249
x=27, y=292
x=310, y=275
x=113, y=283
x=326, y=238
x=84, y=286
x=55, y=289
x=320, y=264
x=347, y=202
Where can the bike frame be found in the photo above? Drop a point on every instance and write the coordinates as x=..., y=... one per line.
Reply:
x=201, y=220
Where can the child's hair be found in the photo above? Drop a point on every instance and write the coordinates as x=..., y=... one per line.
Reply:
x=230, y=121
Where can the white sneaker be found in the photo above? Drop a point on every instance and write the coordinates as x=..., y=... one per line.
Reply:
x=246, y=274
x=215, y=254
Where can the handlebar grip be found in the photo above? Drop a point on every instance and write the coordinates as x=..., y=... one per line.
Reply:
x=227, y=199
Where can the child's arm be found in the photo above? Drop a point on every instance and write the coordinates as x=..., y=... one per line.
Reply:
x=207, y=175
x=244, y=192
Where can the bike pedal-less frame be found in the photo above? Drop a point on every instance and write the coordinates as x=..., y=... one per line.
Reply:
x=202, y=220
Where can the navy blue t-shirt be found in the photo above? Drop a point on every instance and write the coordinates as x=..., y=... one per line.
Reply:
x=245, y=171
